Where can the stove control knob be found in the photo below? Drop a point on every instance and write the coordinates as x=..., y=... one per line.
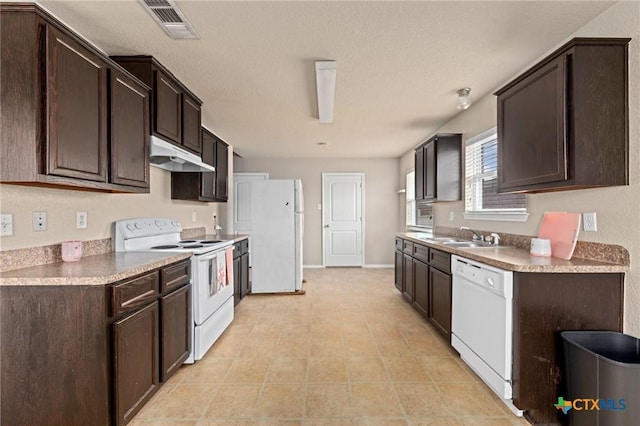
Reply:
x=175, y=224
x=158, y=224
x=138, y=225
x=130, y=227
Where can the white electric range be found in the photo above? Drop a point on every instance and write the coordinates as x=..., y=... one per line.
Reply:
x=211, y=273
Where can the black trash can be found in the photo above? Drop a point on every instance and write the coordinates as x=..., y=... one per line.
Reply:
x=603, y=378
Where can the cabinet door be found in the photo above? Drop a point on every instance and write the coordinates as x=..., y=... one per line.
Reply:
x=430, y=183
x=532, y=142
x=419, y=173
x=129, y=131
x=208, y=179
x=407, y=275
x=222, y=170
x=168, y=107
x=244, y=275
x=421, y=286
x=237, y=278
x=191, y=133
x=440, y=300
x=136, y=356
x=398, y=270
x=175, y=335
x=76, y=110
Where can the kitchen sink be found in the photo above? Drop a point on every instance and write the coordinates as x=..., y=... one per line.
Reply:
x=462, y=244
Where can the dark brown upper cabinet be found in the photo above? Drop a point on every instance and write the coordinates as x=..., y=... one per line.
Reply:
x=71, y=117
x=191, y=133
x=129, y=131
x=438, y=168
x=175, y=111
x=563, y=124
x=204, y=186
x=222, y=170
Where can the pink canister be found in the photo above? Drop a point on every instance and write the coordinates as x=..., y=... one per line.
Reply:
x=71, y=251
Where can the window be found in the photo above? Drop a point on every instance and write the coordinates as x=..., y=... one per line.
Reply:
x=411, y=198
x=482, y=200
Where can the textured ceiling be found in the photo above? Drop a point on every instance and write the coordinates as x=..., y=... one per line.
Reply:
x=399, y=64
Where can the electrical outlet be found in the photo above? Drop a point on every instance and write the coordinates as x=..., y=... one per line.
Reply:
x=451, y=216
x=6, y=225
x=39, y=221
x=194, y=216
x=81, y=220
x=589, y=223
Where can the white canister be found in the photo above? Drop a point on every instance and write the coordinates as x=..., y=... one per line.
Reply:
x=540, y=247
x=71, y=251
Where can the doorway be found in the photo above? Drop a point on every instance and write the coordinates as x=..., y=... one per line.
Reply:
x=342, y=219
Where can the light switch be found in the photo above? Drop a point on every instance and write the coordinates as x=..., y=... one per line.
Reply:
x=319, y=206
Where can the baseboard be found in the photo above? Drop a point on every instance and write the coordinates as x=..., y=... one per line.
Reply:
x=312, y=266
x=378, y=266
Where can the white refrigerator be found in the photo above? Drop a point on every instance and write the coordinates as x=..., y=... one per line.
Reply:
x=277, y=222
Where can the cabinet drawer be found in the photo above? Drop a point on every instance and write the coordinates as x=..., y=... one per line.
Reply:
x=130, y=295
x=399, y=242
x=244, y=246
x=237, y=249
x=407, y=247
x=441, y=260
x=175, y=276
x=421, y=252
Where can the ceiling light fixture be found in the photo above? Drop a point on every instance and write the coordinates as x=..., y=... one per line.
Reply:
x=170, y=18
x=464, y=98
x=326, y=89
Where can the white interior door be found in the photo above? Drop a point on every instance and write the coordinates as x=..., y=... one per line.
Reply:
x=342, y=219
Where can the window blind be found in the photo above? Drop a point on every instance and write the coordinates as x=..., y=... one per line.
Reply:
x=481, y=178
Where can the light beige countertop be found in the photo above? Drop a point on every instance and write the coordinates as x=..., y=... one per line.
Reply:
x=234, y=237
x=91, y=270
x=518, y=259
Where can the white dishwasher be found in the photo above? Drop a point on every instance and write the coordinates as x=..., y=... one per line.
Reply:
x=482, y=322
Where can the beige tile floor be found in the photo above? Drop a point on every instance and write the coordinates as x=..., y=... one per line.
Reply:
x=350, y=351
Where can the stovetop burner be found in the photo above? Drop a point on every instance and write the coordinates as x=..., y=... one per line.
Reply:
x=210, y=241
x=193, y=246
x=187, y=241
x=165, y=247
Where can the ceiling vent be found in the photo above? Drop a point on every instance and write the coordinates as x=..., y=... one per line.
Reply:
x=170, y=18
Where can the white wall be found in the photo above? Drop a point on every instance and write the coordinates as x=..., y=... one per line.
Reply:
x=617, y=208
x=381, y=216
x=61, y=206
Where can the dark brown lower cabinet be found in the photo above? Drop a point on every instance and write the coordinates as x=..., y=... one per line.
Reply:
x=407, y=278
x=136, y=359
x=54, y=364
x=91, y=354
x=175, y=331
x=242, y=284
x=421, y=286
x=398, y=271
x=440, y=300
x=245, y=283
x=544, y=305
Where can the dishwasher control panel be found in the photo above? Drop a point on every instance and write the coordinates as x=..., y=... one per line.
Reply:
x=491, y=278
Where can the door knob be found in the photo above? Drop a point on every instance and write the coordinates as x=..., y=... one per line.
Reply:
x=326, y=226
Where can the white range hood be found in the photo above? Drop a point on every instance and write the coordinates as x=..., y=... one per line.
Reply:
x=170, y=157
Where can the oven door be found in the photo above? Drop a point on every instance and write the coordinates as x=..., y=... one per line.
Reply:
x=213, y=284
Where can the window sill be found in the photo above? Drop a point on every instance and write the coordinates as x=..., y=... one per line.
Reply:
x=497, y=216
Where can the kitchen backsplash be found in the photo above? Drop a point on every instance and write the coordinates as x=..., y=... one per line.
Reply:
x=33, y=256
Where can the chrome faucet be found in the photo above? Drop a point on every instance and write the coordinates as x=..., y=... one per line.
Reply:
x=476, y=236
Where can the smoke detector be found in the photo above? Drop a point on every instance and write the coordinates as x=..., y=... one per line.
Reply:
x=170, y=18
